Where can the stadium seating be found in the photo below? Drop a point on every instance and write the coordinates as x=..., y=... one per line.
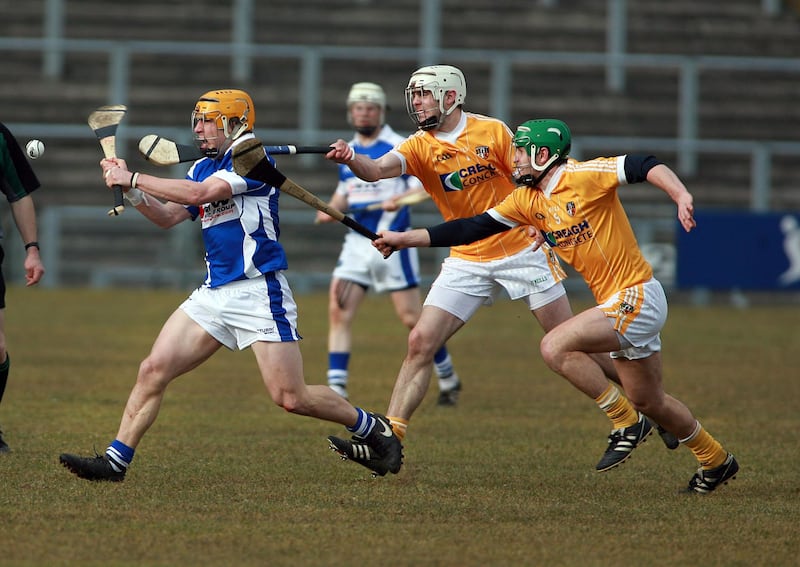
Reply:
x=734, y=105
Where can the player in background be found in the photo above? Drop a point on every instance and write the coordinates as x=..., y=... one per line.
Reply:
x=245, y=300
x=464, y=161
x=575, y=208
x=359, y=265
x=18, y=181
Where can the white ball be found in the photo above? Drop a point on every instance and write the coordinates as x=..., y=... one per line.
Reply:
x=35, y=149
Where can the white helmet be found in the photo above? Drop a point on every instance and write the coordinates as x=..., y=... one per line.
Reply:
x=367, y=92
x=370, y=93
x=438, y=79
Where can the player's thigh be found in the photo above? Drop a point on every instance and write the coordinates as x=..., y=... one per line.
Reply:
x=181, y=345
x=550, y=307
x=588, y=331
x=281, y=367
x=433, y=329
x=457, y=303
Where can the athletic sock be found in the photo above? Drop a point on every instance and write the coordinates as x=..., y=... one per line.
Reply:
x=617, y=407
x=707, y=450
x=363, y=425
x=4, y=375
x=119, y=455
x=443, y=363
x=399, y=426
x=337, y=368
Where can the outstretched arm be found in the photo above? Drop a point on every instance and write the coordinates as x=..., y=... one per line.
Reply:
x=451, y=233
x=386, y=166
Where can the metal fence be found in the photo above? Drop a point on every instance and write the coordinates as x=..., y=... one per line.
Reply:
x=312, y=59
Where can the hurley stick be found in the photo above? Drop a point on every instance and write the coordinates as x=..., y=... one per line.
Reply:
x=103, y=122
x=162, y=151
x=250, y=161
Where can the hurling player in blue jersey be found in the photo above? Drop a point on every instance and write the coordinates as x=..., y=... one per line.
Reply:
x=359, y=265
x=245, y=300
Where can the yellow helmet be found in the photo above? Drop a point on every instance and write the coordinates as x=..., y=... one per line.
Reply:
x=231, y=109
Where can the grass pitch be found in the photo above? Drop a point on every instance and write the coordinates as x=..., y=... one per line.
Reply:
x=506, y=478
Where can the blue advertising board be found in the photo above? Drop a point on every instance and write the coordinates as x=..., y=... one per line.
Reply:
x=740, y=250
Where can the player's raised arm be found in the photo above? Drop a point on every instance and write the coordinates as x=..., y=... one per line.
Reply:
x=667, y=180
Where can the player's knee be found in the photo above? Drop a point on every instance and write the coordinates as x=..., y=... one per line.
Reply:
x=647, y=404
x=551, y=354
x=289, y=404
x=289, y=401
x=152, y=375
x=421, y=344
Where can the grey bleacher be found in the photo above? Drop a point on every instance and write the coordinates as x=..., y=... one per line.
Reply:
x=747, y=106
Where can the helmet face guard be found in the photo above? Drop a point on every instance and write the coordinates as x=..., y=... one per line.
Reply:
x=438, y=80
x=231, y=110
x=543, y=133
x=368, y=93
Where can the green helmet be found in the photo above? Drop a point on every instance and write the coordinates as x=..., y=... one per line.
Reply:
x=544, y=133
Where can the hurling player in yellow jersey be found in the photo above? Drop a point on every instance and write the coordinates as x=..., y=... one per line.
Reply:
x=575, y=209
x=465, y=162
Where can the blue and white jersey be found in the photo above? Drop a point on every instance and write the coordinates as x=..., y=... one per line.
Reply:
x=361, y=193
x=241, y=233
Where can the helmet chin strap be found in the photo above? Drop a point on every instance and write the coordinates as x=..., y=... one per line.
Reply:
x=199, y=140
x=528, y=178
x=213, y=153
x=225, y=145
x=430, y=123
x=433, y=122
x=547, y=165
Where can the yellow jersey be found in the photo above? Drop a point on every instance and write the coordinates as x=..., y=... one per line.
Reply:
x=583, y=220
x=467, y=171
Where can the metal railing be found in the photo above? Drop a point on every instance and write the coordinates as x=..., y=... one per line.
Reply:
x=311, y=60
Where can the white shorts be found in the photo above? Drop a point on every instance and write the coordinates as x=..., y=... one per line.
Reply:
x=240, y=313
x=637, y=314
x=462, y=285
x=361, y=263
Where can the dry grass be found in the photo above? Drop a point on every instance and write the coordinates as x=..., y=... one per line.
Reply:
x=226, y=478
